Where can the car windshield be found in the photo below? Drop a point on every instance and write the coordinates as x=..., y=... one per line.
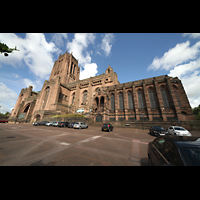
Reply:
x=179, y=129
x=76, y=123
x=158, y=128
x=192, y=155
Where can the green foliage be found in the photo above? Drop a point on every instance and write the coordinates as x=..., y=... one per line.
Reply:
x=196, y=112
x=4, y=114
x=5, y=49
x=68, y=115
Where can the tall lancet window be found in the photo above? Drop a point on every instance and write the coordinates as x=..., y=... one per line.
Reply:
x=84, y=96
x=140, y=99
x=164, y=97
x=121, y=105
x=130, y=100
x=152, y=98
x=112, y=102
x=46, y=96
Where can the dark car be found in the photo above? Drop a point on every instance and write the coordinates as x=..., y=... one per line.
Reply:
x=170, y=150
x=40, y=123
x=63, y=124
x=157, y=130
x=107, y=127
x=71, y=124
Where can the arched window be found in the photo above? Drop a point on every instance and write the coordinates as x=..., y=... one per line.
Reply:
x=164, y=97
x=73, y=96
x=140, y=99
x=84, y=96
x=97, y=89
x=130, y=100
x=74, y=68
x=71, y=68
x=102, y=104
x=175, y=89
x=152, y=99
x=121, y=105
x=46, y=96
x=112, y=102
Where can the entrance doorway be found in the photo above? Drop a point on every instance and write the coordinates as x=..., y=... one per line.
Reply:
x=23, y=115
x=37, y=118
x=98, y=118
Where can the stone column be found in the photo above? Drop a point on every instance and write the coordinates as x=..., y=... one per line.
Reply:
x=136, y=106
x=160, y=101
x=116, y=105
x=125, y=102
x=147, y=101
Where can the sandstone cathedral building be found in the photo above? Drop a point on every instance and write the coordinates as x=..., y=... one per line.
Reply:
x=102, y=97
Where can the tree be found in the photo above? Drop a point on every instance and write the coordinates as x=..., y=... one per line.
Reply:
x=5, y=49
x=196, y=112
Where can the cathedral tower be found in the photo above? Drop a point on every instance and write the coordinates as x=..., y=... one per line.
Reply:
x=67, y=68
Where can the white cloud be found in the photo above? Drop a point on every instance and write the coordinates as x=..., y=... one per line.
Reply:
x=179, y=54
x=35, y=51
x=192, y=35
x=39, y=54
x=183, y=61
x=78, y=47
x=106, y=43
x=7, y=98
x=185, y=69
x=15, y=75
x=191, y=84
x=58, y=38
x=37, y=85
x=89, y=69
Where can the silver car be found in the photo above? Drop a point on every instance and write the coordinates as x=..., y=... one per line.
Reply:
x=80, y=125
x=179, y=131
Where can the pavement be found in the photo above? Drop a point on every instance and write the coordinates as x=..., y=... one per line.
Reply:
x=28, y=145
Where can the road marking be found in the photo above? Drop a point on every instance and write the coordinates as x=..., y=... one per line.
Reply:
x=138, y=141
x=64, y=143
x=95, y=137
x=61, y=134
x=90, y=139
x=134, y=157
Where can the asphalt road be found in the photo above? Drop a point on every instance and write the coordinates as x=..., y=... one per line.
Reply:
x=28, y=145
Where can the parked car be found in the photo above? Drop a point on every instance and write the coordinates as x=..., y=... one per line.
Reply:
x=55, y=124
x=71, y=124
x=80, y=125
x=63, y=124
x=40, y=123
x=179, y=131
x=3, y=121
x=158, y=130
x=49, y=124
x=107, y=127
x=170, y=150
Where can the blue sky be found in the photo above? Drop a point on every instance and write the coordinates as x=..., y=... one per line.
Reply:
x=133, y=56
